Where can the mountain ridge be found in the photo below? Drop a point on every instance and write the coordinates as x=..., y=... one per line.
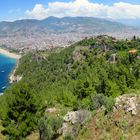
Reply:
x=53, y=20
x=58, y=32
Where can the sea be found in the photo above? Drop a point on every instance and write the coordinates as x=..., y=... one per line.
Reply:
x=6, y=66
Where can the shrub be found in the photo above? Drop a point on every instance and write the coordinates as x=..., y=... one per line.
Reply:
x=69, y=137
x=84, y=89
x=48, y=127
x=97, y=101
x=85, y=103
x=109, y=103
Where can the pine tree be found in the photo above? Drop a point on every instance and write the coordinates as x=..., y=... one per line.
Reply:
x=22, y=109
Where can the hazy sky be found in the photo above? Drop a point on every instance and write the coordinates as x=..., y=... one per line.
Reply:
x=39, y=9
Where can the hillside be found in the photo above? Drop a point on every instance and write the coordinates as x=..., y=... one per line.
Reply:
x=120, y=124
x=31, y=34
x=63, y=90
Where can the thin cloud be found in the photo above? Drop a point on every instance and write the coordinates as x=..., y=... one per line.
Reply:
x=120, y=10
x=14, y=11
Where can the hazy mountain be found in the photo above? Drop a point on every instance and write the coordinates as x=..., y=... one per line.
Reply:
x=130, y=22
x=61, y=25
x=54, y=31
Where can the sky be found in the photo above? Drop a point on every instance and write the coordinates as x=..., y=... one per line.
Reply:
x=39, y=9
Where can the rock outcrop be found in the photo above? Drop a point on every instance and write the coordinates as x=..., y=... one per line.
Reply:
x=74, y=120
x=112, y=59
x=129, y=103
x=14, y=79
x=77, y=116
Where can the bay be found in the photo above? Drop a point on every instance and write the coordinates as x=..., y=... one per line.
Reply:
x=6, y=66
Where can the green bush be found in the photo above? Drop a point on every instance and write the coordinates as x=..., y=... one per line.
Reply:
x=97, y=101
x=48, y=128
x=109, y=103
x=84, y=89
x=69, y=137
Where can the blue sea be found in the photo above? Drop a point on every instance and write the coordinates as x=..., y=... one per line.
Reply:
x=6, y=66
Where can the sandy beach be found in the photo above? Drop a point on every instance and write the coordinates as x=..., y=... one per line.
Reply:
x=9, y=54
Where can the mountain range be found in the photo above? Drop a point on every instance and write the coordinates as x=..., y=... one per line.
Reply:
x=52, y=31
x=61, y=25
x=130, y=22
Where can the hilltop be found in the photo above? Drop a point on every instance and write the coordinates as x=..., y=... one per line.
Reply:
x=64, y=90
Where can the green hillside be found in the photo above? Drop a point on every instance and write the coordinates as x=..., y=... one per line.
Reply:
x=87, y=75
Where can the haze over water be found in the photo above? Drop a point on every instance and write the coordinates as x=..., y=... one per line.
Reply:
x=6, y=66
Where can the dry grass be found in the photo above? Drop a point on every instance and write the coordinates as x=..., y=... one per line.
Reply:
x=117, y=126
x=33, y=136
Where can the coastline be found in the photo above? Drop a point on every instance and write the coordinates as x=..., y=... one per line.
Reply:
x=12, y=78
x=9, y=54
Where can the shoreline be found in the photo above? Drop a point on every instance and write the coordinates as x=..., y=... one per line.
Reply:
x=9, y=54
x=12, y=78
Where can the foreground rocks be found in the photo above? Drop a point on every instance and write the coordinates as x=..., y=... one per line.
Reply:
x=15, y=79
x=74, y=120
x=129, y=103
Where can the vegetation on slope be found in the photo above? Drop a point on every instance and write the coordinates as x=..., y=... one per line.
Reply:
x=87, y=75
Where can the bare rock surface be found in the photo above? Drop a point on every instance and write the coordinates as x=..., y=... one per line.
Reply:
x=129, y=103
x=74, y=120
x=14, y=79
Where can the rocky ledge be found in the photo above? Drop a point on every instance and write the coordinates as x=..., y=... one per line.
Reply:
x=74, y=120
x=14, y=79
x=129, y=103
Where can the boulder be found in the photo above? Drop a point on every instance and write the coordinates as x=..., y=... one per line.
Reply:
x=77, y=116
x=74, y=120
